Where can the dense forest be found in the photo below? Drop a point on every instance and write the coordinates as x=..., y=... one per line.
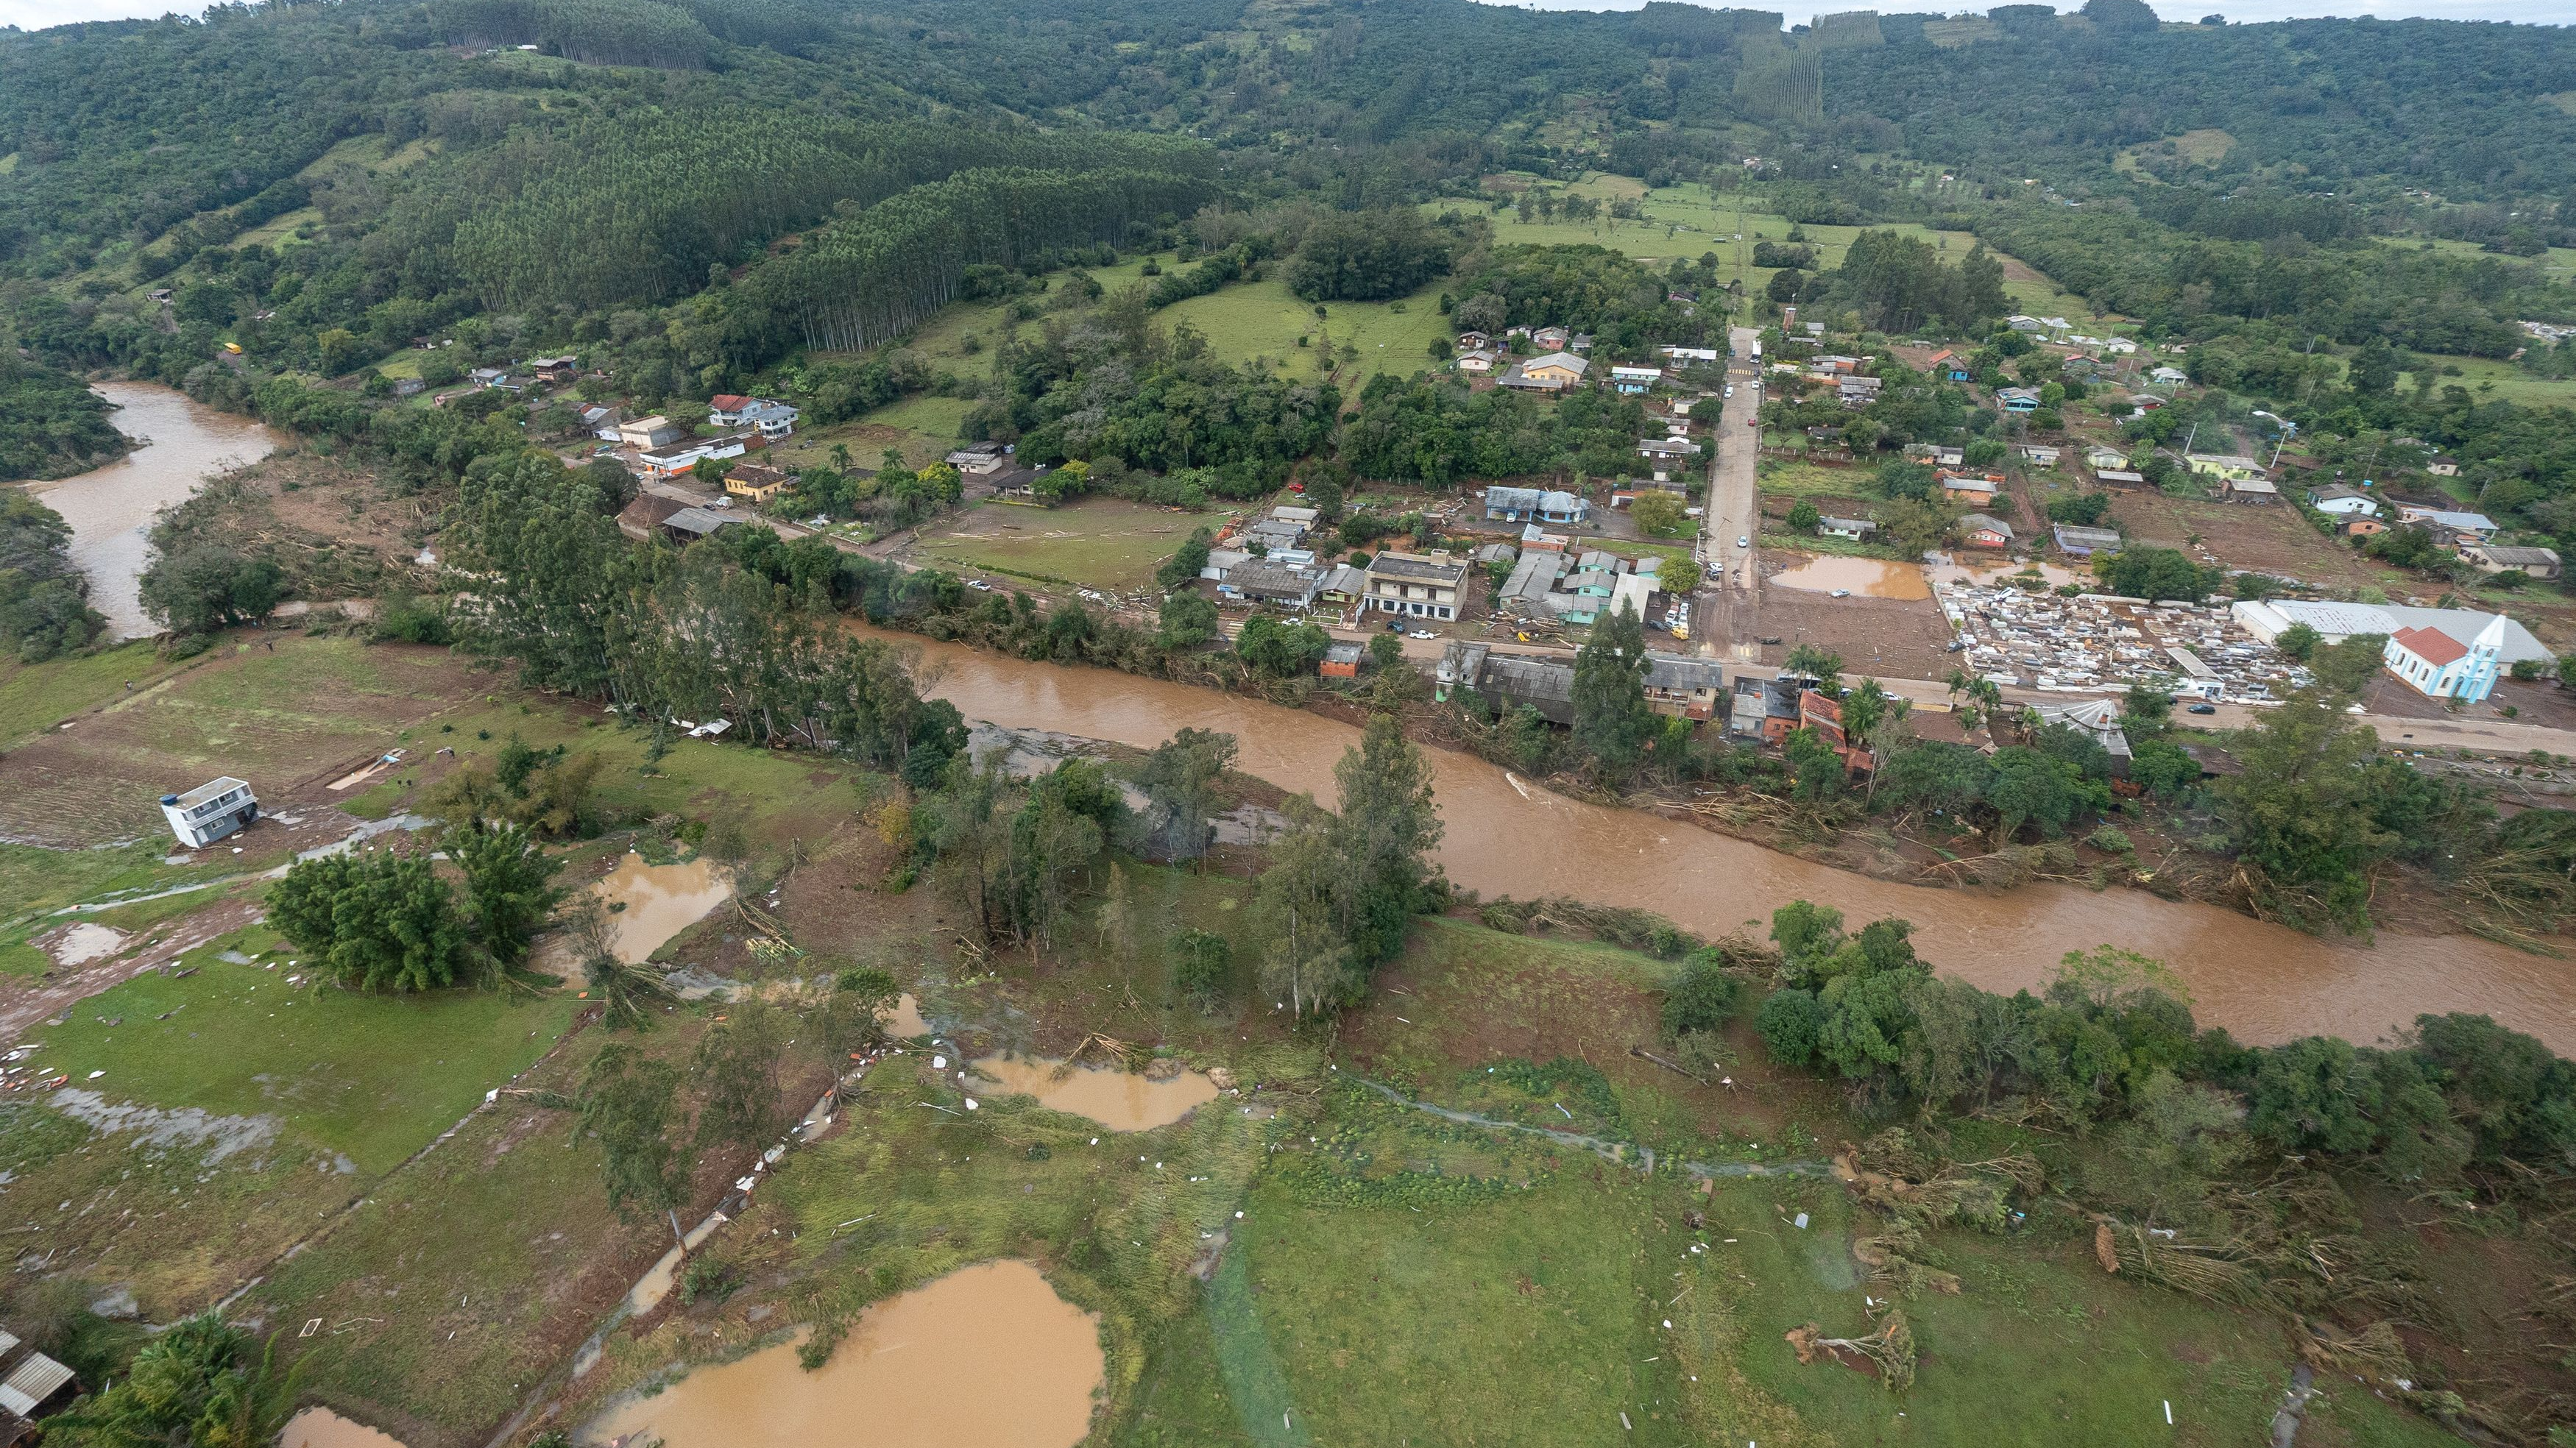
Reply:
x=51, y=424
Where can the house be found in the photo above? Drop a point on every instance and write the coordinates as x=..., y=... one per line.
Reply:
x=650, y=432
x=414, y=387
x=2097, y=720
x=1260, y=580
x=209, y=812
x=2532, y=562
x=2098, y=457
x=1579, y=342
x=32, y=1389
x=2119, y=346
x=644, y=517
x=1684, y=688
x=1549, y=372
x=980, y=459
x=1835, y=363
x=2226, y=466
x=2145, y=401
x=690, y=524
x=732, y=409
x=2267, y=619
x=1272, y=535
x=488, y=376
x=1856, y=529
x=2473, y=527
x=1949, y=366
x=1688, y=354
x=2017, y=399
x=1982, y=531
x=2085, y=542
x=2039, y=457
x=2120, y=478
x=1418, y=585
x=1531, y=582
x=1472, y=341
x=1011, y=482
x=1493, y=553
x=1857, y=391
x=1662, y=450
x=2443, y=468
x=1476, y=362
x=1550, y=339
x=2168, y=377
x=1974, y=489
x=2020, y=322
x=1631, y=593
x=1630, y=381
x=2252, y=490
x=757, y=482
x=1344, y=585
x=1512, y=505
x=2343, y=501
x=2360, y=527
x=1341, y=660
x=556, y=369
x=2439, y=666
x=1291, y=513
x=678, y=458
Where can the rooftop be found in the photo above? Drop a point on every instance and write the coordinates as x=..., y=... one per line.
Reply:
x=1425, y=568
x=2431, y=645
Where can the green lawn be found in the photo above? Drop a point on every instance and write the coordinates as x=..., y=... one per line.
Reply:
x=1262, y=320
x=371, y=1076
x=36, y=697
x=1805, y=479
x=1103, y=543
x=2487, y=377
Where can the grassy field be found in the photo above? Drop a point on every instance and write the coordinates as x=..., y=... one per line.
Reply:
x=1260, y=320
x=371, y=1077
x=1805, y=479
x=2486, y=377
x=36, y=697
x=1102, y=543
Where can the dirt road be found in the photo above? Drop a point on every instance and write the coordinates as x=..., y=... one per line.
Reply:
x=1729, y=599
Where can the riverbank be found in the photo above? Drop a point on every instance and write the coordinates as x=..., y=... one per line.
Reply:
x=1506, y=835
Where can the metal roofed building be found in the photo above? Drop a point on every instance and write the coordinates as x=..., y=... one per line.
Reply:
x=2268, y=619
x=219, y=807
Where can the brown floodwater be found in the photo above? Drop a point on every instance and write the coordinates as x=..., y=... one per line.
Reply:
x=322, y=1428
x=111, y=509
x=1505, y=835
x=661, y=901
x=1119, y=1100
x=904, y=1022
x=1868, y=577
x=987, y=1356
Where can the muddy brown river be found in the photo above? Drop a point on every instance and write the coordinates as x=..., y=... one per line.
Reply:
x=1506, y=835
x=181, y=444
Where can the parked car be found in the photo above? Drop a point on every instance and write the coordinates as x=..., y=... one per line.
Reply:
x=1394, y=626
x=2202, y=709
x=1743, y=540
x=1424, y=633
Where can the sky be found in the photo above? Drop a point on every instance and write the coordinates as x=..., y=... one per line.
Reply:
x=34, y=14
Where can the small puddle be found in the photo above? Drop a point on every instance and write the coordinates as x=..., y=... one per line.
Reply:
x=1119, y=1100
x=988, y=1355
x=1868, y=577
x=83, y=943
x=661, y=901
x=904, y=1022
x=322, y=1428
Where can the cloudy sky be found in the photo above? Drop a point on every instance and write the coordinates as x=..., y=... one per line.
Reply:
x=32, y=14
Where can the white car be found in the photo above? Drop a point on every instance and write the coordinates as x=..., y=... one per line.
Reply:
x=1743, y=540
x=1424, y=633
x=1730, y=389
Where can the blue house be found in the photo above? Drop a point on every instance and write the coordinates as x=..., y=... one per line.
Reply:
x=2017, y=399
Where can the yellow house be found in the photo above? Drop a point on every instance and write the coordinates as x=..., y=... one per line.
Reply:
x=1551, y=372
x=756, y=481
x=2228, y=466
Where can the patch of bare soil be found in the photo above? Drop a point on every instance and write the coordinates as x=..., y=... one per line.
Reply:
x=24, y=1002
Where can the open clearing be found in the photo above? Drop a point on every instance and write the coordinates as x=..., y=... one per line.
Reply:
x=2273, y=539
x=1103, y=543
x=1261, y=321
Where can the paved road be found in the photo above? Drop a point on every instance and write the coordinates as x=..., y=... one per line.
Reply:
x=1729, y=601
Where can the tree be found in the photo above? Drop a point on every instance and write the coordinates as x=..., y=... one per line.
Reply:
x=1815, y=766
x=1273, y=649
x=2301, y=812
x=2298, y=641
x=507, y=894
x=1306, y=963
x=2155, y=574
x=1703, y=996
x=1201, y=960
x=1188, y=620
x=2032, y=787
x=1612, y=723
x=2082, y=509
x=1384, y=836
x=1658, y=513
x=853, y=1013
x=196, y=1384
x=1179, y=780
x=1803, y=516
x=44, y=598
x=736, y=1070
x=1792, y=1023
x=1367, y=256
x=1679, y=577
x=629, y=1104
x=196, y=588
x=2347, y=668
x=1177, y=572
x=377, y=921
x=1813, y=661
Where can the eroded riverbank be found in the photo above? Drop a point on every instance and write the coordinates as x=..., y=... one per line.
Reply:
x=2263, y=982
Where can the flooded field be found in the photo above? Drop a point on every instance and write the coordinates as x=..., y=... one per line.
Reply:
x=111, y=509
x=1868, y=577
x=987, y=1356
x=322, y=1428
x=1119, y=1100
x=660, y=900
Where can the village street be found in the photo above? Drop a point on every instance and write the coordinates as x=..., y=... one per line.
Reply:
x=1729, y=599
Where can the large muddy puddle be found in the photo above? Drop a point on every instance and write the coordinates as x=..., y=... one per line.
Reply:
x=904, y=1022
x=1119, y=1100
x=322, y=1428
x=985, y=1357
x=1868, y=577
x=660, y=900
